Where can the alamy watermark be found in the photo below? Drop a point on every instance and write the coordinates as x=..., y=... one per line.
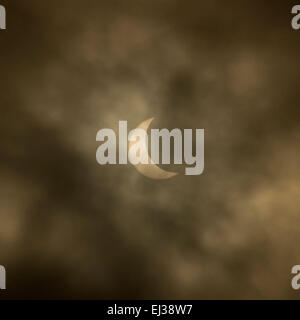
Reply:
x=296, y=19
x=2, y=18
x=133, y=146
x=2, y=278
x=296, y=279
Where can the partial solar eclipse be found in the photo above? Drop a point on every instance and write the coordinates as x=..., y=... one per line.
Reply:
x=150, y=170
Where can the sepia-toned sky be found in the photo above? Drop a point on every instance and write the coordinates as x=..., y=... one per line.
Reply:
x=70, y=228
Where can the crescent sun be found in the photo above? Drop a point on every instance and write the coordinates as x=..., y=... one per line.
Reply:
x=151, y=170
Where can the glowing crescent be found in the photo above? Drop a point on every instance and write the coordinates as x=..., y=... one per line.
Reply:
x=151, y=170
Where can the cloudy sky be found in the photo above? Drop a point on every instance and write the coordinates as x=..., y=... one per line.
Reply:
x=70, y=228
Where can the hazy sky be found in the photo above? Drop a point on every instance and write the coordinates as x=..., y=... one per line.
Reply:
x=70, y=228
